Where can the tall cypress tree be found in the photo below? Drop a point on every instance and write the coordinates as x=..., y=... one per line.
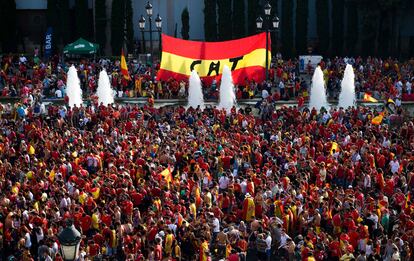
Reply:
x=352, y=30
x=252, y=14
x=64, y=25
x=275, y=12
x=185, y=24
x=130, y=25
x=210, y=20
x=302, y=26
x=239, y=19
x=337, y=26
x=81, y=18
x=287, y=28
x=8, y=32
x=117, y=26
x=322, y=24
x=100, y=23
x=224, y=19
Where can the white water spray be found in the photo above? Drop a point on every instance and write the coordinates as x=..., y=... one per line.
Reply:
x=318, y=92
x=227, y=94
x=195, y=93
x=73, y=89
x=347, y=95
x=104, y=91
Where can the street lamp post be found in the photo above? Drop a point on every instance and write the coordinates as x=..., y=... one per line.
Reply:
x=271, y=26
x=158, y=25
x=69, y=239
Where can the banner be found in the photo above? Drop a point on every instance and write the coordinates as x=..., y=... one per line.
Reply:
x=48, y=42
x=245, y=57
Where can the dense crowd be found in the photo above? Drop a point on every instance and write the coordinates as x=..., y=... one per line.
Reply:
x=382, y=78
x=142, y=183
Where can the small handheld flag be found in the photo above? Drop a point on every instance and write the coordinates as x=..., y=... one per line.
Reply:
x=369, y=98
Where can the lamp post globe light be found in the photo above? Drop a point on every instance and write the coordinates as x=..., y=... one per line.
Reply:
x=158, y=25
x=271, y=25
x=69, y=239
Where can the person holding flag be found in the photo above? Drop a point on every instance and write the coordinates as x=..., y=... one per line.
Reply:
x=124, y=67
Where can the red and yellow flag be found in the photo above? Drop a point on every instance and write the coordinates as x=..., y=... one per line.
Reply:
x=369, y=98
x=407, y=200
x=378, y=120
x=335, y=147
x=124, y=66
x=167, y=175
x=245, y=57
x=203, y=251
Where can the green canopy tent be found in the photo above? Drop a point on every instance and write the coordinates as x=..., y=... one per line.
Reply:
x=81, y=46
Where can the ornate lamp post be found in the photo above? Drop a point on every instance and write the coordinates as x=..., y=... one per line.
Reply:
x=272, y=25
x=158, y=25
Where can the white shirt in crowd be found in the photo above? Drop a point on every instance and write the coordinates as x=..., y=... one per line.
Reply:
x=58, y=93
x=224, y=182
x=395, y=166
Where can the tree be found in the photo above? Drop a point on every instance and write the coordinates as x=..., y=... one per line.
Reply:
x=337, y=26
x=100, y=22
x=210, y=20
x=117, y=26
x=224, y=19
x=274, y=12
x=121, y=14
x=239, y=19
x=287, y=28
x=81, y=18
x=252, y=14
x=322, y=24
x=8, y=32
x=64, y=28
x=129, y=25
x=185, y=21
x=352, y=29
x=302, y=26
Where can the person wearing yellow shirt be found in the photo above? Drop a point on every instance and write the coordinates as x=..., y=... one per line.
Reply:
x=348, y=256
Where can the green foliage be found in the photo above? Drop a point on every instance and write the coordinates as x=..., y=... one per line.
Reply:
x=274, y=12
x=352, y=30
x=117, y=26
x=210, y=20
x=100, y=23
x=64, y=25
x=302, y=26
x=337, y=26
x=120, y=8
x=185, y=22
x=252, y=14
x=287, y=28
x=239, y=19
x=81, y=19
x=8, y=32
x=130, y=25
x=322, y=24
x=224, y=20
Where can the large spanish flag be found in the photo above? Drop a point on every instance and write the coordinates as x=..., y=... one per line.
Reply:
x=245, y=57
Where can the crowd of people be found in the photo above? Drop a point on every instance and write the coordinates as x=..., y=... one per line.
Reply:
x=382, y=78
x=142, y=183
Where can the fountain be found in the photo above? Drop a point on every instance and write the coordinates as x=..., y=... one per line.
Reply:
x=347, y=95
x=195, y=93
x=227, y=94
x=104, y=91
x=318, y=92
x=73, y=89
